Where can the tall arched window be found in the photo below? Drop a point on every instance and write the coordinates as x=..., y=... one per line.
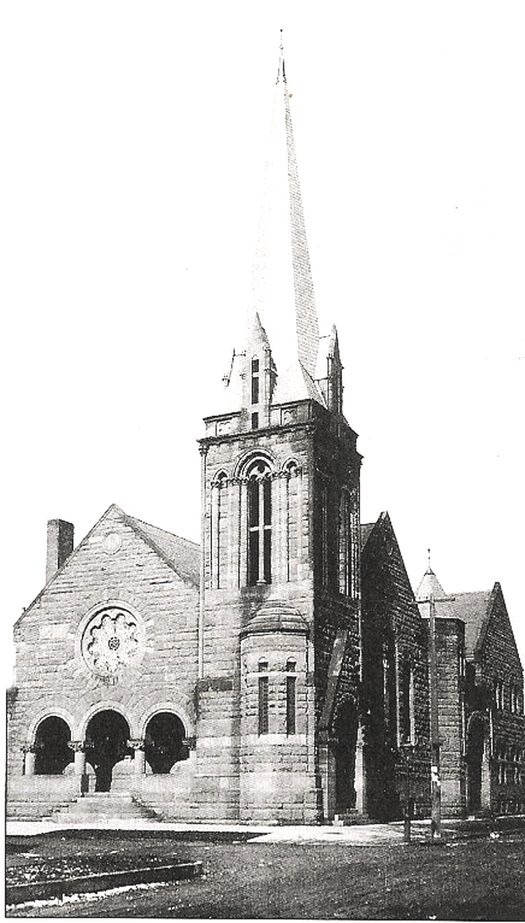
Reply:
x=408, y=724
x=259, y=523
x=344, y=543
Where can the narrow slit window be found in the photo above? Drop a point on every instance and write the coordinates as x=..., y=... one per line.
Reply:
x=255, y=381
x=291, y=696
x=263, y=697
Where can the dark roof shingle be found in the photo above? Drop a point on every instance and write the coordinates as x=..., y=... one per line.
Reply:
x=183, y=555
x=471, y=608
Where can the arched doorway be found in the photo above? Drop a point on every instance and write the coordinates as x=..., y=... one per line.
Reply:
x=163, y=744
x=345, y=731
x=52, y=753
x=475, y=742
x=107, y=736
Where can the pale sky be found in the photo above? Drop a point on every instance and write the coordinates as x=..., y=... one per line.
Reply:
x=131, y=169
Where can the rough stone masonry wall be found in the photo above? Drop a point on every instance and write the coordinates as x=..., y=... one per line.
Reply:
x=337, y=467
x=278, y=778
x=228, y=605
x=51, y=675
x=450, y=637
x=393, y=636
x=498, y=660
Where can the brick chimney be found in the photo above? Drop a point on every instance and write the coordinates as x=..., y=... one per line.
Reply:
x=59, y=545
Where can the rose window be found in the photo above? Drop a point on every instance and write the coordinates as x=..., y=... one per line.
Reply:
x=111, y=641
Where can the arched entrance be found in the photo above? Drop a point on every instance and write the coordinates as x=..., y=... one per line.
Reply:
x=52, y=753
x=345, y=731
x=107, y=736
x=163, y=742
x=475, y=743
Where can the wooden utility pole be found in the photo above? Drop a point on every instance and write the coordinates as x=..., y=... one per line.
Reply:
x=435, y=769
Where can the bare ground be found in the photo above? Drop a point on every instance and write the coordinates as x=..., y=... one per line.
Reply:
x=481, y=879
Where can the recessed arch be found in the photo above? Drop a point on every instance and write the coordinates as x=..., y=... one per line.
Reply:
x=48, y=712
x=219, y=478
x=106, y=744
x=476, y=734
x=164, y=745
x=52, y=753
x=106, y=705
x=252, y=455
x=291, y=466
x=174, y=705
x=344, y=726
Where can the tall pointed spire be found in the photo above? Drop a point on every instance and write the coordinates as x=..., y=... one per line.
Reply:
x=282, y=279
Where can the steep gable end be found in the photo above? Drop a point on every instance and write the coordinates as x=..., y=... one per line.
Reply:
x=116, y=549
x=496, y=639
x=381, y=554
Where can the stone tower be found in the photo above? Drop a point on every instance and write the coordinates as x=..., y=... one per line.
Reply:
x=279, y=629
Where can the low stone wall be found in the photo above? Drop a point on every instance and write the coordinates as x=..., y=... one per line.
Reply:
x=47, y=890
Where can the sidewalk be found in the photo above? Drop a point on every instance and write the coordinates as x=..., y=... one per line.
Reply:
x=359, y=835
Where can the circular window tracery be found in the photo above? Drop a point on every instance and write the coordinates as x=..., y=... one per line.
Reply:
x=112, y=641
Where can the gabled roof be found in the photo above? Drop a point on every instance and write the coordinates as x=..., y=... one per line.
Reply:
x=181, y=554
x=178, y=553
x=472, y=609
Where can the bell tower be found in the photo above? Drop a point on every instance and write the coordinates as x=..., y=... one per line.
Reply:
x=279, y=633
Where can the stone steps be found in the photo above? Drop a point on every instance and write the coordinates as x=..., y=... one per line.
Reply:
x=28, y=810
x=103, y=806
x=350, y=818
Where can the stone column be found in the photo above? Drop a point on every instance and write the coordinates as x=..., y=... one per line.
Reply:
x=485, y=777
x=360, y=773
x=29, y=761
x=278, y=528
x=327, y=772
x=139, y=760
x=214, y=536
x=77, y=746
x=243, y=531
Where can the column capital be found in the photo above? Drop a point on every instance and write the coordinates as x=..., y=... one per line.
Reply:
x=136, y=743
x=28, y=748
x=76, y=745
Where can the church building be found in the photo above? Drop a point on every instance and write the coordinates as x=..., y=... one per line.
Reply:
x=279, y=671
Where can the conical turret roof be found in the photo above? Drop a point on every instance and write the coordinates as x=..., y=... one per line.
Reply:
x=429, y=586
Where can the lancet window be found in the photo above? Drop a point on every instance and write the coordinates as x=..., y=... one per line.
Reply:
x=408, y=724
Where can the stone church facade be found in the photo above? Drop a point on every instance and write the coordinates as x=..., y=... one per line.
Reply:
x=277, y=672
